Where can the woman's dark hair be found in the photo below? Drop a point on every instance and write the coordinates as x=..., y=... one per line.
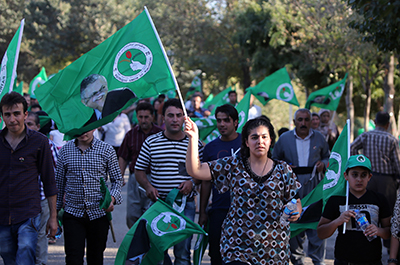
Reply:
x=252, y=124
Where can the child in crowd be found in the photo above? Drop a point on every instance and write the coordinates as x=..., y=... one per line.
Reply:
x=353, y=247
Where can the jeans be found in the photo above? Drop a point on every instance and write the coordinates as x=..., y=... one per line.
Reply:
x=43, y=241
x=216, y=218
x=18, y=242
x=137, y=202
x=316, y=248
x=76, y=231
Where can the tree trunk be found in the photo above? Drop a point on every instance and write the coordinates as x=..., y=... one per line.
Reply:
x=350, y=106
x=388, y=87
x=367, y=108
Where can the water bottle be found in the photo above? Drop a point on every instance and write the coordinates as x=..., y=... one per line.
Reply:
x=288, y=210
x=362, y=223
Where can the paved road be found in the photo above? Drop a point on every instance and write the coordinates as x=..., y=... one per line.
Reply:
x=57, y=256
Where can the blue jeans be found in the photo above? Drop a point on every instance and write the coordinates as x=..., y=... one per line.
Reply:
x=18, y=242
x=182, y=249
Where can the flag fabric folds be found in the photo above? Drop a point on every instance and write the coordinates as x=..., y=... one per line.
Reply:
x=275, y=86
x=333, y=184
x=37, y=81
x=132, y=58
x=165, y=228
x=195, y=86
x=200, y=246
x=218, y=100
x=8, y=69
x=327, y=97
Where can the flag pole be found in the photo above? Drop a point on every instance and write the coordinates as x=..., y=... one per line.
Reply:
x=14, y=71
x=347, y=183
x=166, y=59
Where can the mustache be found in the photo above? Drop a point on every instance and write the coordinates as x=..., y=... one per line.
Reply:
x=303, y=127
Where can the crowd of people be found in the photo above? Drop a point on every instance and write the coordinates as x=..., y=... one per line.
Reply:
x=245, y=180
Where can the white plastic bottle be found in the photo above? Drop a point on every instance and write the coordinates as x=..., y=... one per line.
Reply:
x=288, y=210
x=362, y=223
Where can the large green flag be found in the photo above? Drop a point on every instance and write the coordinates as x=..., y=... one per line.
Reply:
x=8, y=70
x=333, y=184
x=327, y=97
x=275, y=86
x=37, y=81
x=195, y=86
x=165, y=228
x=130, y=64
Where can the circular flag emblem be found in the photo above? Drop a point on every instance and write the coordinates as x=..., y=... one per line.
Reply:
x=285, y=92
x=167, y=222
x=132, y=62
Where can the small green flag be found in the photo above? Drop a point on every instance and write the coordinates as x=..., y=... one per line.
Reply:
x=37, y=81
x=8, y=69
x=165, y=228
x=333, y=184
x=327, y=97
x=218, y=100
x=195, y=86
x=275, y=86
x=133, y=64
x=206, y=127
x=243, y=110
x=18, y=88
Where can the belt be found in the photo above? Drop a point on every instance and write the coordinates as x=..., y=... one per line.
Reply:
x=302, y=170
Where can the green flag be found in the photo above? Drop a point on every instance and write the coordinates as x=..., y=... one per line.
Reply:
x=18, y=88
x=206, y=127
x=130, y=64
x=8, y=69
x=37, y=81
x=243, y=110
x=218, y=100
x=195, y=86
x=333, y=184
x=165, y=228
x=275, y=86
x=327, y=97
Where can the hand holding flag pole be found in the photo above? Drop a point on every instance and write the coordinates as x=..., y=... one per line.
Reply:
x=168, y=63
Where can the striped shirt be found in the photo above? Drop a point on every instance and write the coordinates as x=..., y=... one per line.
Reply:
x=78, y=177
x=166, y=159
x=381, y=148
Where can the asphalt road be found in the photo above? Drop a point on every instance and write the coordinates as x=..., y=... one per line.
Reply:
x=57, y=256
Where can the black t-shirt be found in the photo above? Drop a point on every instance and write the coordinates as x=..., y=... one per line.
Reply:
x=353, y=246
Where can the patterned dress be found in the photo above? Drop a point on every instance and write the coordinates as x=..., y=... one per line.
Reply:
x=252, y=232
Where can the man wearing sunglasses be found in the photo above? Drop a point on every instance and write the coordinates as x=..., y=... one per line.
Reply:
x=95, y=95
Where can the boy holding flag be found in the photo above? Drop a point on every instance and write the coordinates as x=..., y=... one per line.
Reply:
x=353, y=246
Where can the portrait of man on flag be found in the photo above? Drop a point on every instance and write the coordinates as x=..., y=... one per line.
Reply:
x=95, y=95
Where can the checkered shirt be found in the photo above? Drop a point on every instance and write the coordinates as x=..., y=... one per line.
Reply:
x=381, y=148
x=78, y=177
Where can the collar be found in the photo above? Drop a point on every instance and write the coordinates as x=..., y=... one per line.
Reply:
x=310, y=133
x=28, y=132
x=91, y=144
x=378, y=128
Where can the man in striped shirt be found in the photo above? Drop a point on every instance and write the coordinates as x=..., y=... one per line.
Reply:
x=165, y=153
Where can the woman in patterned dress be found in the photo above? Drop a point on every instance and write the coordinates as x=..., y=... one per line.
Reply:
x=259, y=188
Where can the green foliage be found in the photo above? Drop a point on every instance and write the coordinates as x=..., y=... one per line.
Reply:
x=381, y=23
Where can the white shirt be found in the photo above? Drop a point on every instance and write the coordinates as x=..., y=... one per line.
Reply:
x=115, y=131
x=303, y=148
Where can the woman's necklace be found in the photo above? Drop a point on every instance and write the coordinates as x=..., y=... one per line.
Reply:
x=259, y=180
